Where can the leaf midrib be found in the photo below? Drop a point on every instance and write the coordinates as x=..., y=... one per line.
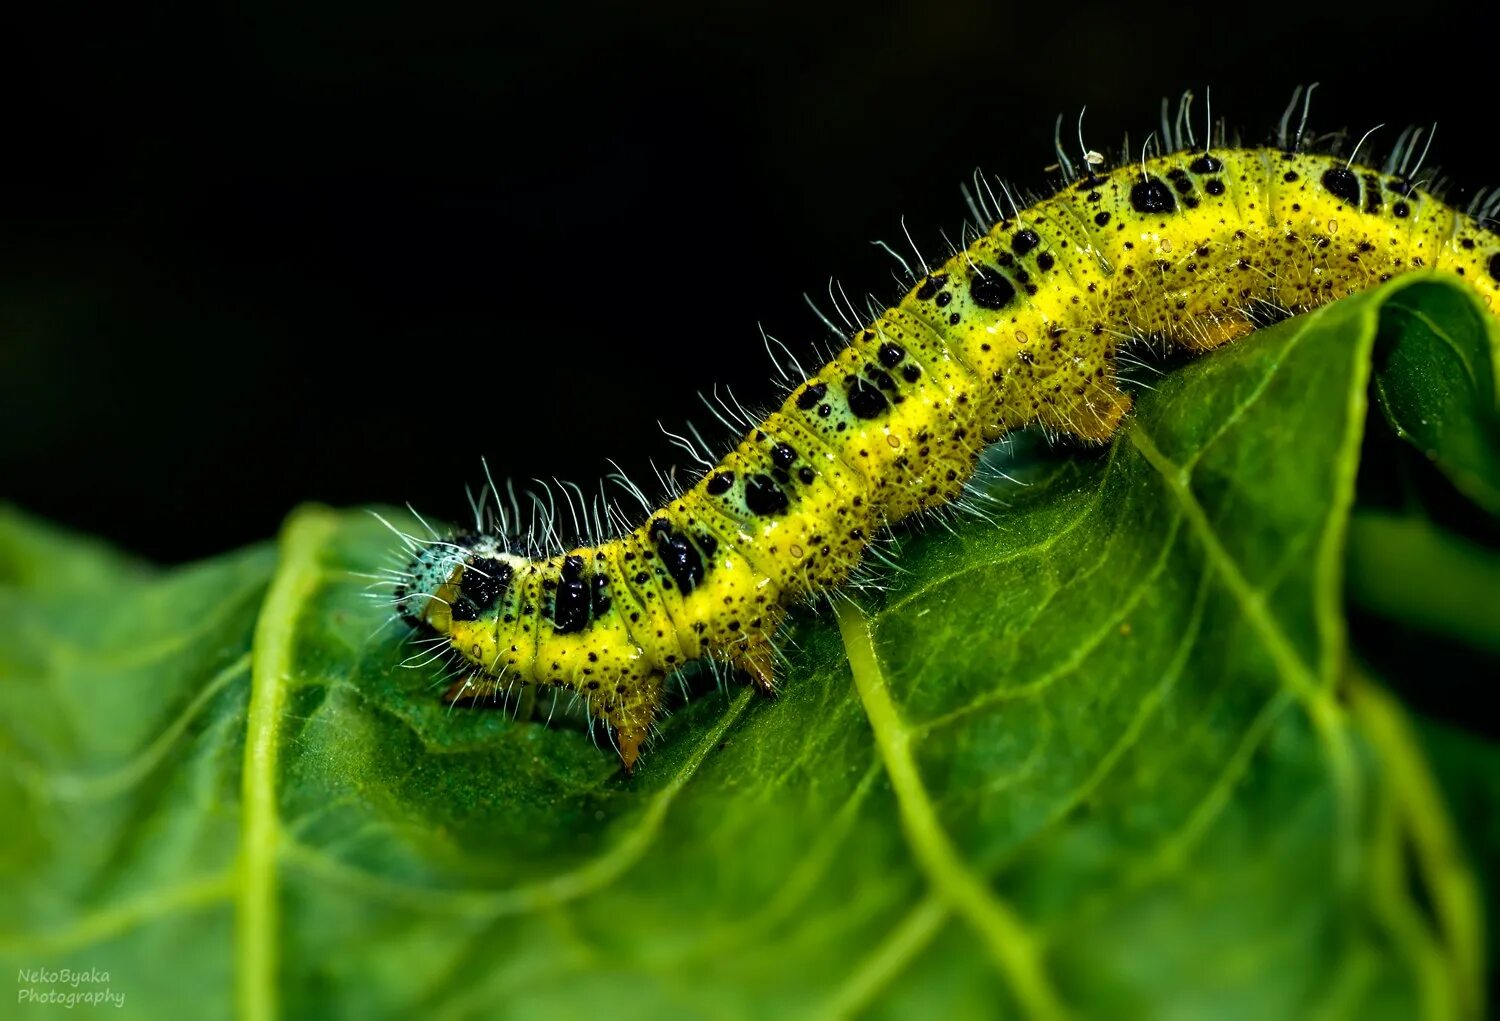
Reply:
x=257, y=914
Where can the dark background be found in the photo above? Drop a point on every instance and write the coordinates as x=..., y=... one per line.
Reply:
x=255, y=257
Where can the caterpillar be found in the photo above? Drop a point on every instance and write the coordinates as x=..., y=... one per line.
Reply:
x=1194, y=247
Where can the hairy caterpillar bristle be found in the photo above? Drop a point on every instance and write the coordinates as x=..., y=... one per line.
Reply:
x=1186, y=241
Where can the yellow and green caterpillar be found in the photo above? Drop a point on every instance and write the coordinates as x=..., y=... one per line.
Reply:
x=1021, y=327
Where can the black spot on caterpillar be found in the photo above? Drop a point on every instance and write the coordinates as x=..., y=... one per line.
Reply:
x=1022, y=327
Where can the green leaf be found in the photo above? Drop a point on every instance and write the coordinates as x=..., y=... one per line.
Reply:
x=1100, y=752
x=1469, y=771
x=1438, y=383
x=1406, y=568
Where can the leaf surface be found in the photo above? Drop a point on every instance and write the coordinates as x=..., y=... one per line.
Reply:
x=1100, y=752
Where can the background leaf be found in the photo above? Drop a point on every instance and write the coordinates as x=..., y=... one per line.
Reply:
x=1107, y=751
x=1436, y=380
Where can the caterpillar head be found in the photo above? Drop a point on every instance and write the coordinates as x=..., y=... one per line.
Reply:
x=460, y=580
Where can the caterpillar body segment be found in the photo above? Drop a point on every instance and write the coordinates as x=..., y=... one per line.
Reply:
x=1022, y=327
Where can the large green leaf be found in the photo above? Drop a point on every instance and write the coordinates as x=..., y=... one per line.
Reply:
x=1103, y=751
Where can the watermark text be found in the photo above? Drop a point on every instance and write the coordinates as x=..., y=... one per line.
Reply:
x=67, y=988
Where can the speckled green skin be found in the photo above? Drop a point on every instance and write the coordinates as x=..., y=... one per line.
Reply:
x=1020, y=328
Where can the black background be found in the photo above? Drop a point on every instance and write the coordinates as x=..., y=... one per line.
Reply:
x=251, y=257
